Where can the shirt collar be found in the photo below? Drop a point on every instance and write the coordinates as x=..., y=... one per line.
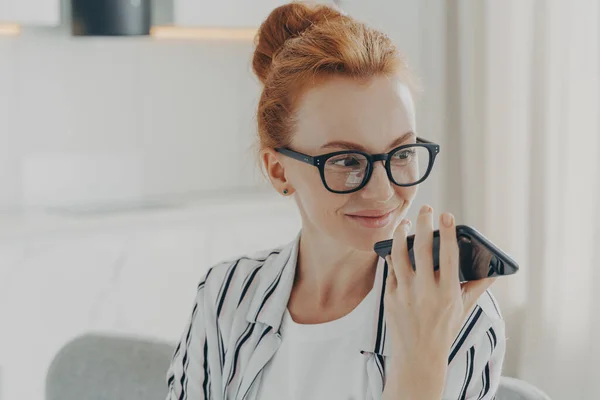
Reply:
x=270, y=300
x=271, y=297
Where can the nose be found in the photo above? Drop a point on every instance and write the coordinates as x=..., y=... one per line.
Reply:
x=379, y=187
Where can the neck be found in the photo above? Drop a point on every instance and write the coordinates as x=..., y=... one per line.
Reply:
x=330, y=272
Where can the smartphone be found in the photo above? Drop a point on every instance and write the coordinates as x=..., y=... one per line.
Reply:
x=478, y=257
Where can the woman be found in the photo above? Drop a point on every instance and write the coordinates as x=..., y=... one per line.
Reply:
x=322, y=317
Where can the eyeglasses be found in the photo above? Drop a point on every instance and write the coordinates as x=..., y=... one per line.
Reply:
x=350, y=170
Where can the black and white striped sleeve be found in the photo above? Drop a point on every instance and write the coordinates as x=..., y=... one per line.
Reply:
x=484, y=364
x=188, y=377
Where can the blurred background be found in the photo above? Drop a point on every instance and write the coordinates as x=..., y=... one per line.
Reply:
x=128, y=165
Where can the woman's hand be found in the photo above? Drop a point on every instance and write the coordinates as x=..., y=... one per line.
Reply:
x=425, y=309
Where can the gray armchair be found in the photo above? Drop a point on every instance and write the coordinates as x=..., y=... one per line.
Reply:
x=515, y=389
x=102, y=367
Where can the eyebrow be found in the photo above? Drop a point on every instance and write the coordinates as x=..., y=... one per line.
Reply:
x=342, y=144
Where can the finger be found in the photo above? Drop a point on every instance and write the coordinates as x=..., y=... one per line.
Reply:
x=449, y=259
x=400, y=261
x=423, y=248
x=473, y=290
x=391, y=282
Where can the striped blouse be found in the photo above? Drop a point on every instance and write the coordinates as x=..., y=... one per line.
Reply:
x=234, y=331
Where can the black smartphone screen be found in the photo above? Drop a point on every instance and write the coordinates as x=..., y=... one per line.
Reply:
x=479, y=257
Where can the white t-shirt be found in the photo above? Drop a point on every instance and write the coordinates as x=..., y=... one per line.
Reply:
x=320, y=361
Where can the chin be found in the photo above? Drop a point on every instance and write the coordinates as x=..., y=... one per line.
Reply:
x=364, y=238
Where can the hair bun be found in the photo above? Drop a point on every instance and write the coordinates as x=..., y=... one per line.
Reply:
x=283, y=23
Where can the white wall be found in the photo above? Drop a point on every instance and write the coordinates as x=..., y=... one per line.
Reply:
x=99, y=119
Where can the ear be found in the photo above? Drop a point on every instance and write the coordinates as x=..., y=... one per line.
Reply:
x=275, y=169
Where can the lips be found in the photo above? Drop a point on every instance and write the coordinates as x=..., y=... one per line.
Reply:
x=371, y=213
x=373, y=219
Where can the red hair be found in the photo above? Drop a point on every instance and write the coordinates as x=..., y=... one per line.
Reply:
x=297, y=45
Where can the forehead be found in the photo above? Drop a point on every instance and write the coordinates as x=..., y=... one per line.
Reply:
x=371, y=113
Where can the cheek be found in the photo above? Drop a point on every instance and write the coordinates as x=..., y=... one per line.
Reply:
x=407, y=193
x=323, y=203
x=317, y=201
x=308, y=183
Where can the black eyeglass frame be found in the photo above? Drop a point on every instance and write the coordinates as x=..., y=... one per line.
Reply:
x=319, y=162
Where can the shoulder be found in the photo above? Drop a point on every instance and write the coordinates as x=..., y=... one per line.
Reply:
x=484, y=324
x=477, y=355
x=227, y=283
x=491, y=328
x=489, y=307
x=485, y=317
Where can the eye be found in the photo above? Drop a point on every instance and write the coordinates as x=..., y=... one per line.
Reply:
x=404, y=154
x=346, y=161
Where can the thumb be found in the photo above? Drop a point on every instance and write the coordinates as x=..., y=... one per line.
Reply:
x=472, y=290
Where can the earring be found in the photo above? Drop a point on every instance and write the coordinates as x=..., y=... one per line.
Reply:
x=285, y=191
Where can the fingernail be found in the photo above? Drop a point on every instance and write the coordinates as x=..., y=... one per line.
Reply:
x=426, y=209
x=447, y=219
x=406, y=224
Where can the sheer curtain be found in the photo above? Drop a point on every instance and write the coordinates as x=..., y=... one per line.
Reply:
x=522, y=91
